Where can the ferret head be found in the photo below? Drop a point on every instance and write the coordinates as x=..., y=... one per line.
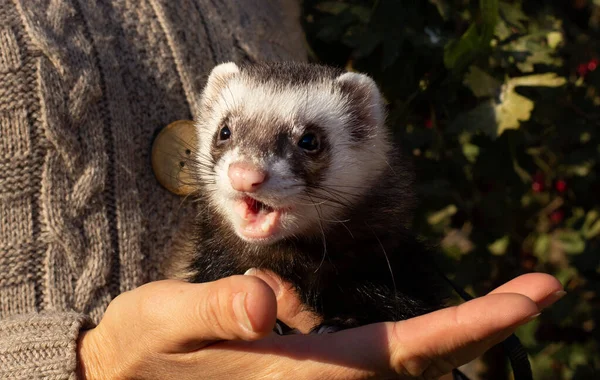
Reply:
x=286, y=148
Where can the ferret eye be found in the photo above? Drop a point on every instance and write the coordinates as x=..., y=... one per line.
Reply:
x=224, y=134
x=309, y=142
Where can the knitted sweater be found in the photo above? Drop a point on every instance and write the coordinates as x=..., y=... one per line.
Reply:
x=84, y=88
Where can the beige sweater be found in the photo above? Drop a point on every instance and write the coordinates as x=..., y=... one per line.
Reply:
x=84, y=88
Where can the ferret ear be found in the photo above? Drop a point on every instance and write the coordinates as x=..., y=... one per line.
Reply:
x=218, y=77
x=367, y=105
x=223, y=71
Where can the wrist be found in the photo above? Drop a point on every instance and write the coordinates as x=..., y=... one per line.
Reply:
x=89, y=357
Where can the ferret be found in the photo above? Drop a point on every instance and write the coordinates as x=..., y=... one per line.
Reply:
x=297, y=173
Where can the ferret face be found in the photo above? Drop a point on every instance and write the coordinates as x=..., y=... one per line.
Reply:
x=286, y=149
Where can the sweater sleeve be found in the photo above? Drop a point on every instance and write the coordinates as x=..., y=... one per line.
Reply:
x=40, y=346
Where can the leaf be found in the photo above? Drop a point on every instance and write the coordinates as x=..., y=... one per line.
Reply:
x=542, y=246
x=582, y=170
x=481, y=83
x=554, y=39
x=572, y=242
x=532, y=49
x=459, y=53
x=502, y=31
x=538, y=57
x=564, y=275
x=538, y=80
x=442, y=7
x=514, y=108
x=457, y=243
x=482, y=118
x=471, y=151
x=332, y=7
x=441, y=215
x=526, y=332
x=494, y=118
x=591, y=226
x=498, y=248
x=512, y=13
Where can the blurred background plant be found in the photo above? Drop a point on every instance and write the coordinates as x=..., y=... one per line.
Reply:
x=499, y=104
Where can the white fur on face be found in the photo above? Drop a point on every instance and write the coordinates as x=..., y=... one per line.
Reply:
x=353, y=165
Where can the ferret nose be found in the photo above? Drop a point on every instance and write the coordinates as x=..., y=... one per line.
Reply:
x=246, y=177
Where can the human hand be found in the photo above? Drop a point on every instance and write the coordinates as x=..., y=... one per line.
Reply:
x=172, y=329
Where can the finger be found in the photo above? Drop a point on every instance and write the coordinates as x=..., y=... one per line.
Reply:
x=436, y=343
x=427, y=346
x=290, y=309
x=192, y=315
x=541, y=288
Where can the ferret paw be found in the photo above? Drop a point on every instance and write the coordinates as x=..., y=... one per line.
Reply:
x=283, y=329
x=334, y=325
x=325, y=329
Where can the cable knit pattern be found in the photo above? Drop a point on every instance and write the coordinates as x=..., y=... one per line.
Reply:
x=84, y=88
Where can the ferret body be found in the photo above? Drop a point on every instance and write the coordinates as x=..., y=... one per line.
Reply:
x=297, y=175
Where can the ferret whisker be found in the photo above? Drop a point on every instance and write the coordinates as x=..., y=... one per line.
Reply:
x=324, y=240
x=330, y=202
x=333, y=202
x=308, y=204
x=335, y=195
x=343, y=222
x=235, y=105
x=184, y=143
x=387, y=259
x=224, y=99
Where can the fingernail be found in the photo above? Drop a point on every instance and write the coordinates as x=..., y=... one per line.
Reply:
x=530, y=318
x=239, y=309
x=552, y=298
x=272, y=282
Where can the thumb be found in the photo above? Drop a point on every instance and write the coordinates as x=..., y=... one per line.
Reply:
x=194, y=315
x=290, y=309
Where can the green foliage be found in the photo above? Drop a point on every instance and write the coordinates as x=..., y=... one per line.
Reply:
x=499, y=104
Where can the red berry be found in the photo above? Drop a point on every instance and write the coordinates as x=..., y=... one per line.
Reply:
x=592, y=64
x=557, y=216
x=561, y=186
x=428, y=123
x=538, y=182
x=582, y=69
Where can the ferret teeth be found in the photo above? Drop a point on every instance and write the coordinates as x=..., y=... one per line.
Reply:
x=266, y=225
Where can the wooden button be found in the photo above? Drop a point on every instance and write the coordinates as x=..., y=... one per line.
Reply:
x=172, y=152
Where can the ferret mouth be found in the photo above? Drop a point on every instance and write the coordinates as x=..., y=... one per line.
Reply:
x=258, y=220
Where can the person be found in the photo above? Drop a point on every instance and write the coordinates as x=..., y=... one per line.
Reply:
x=171, y=329
x=85, y=229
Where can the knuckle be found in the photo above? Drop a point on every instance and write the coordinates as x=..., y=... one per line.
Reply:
x=402, y=361
x=214, y=312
